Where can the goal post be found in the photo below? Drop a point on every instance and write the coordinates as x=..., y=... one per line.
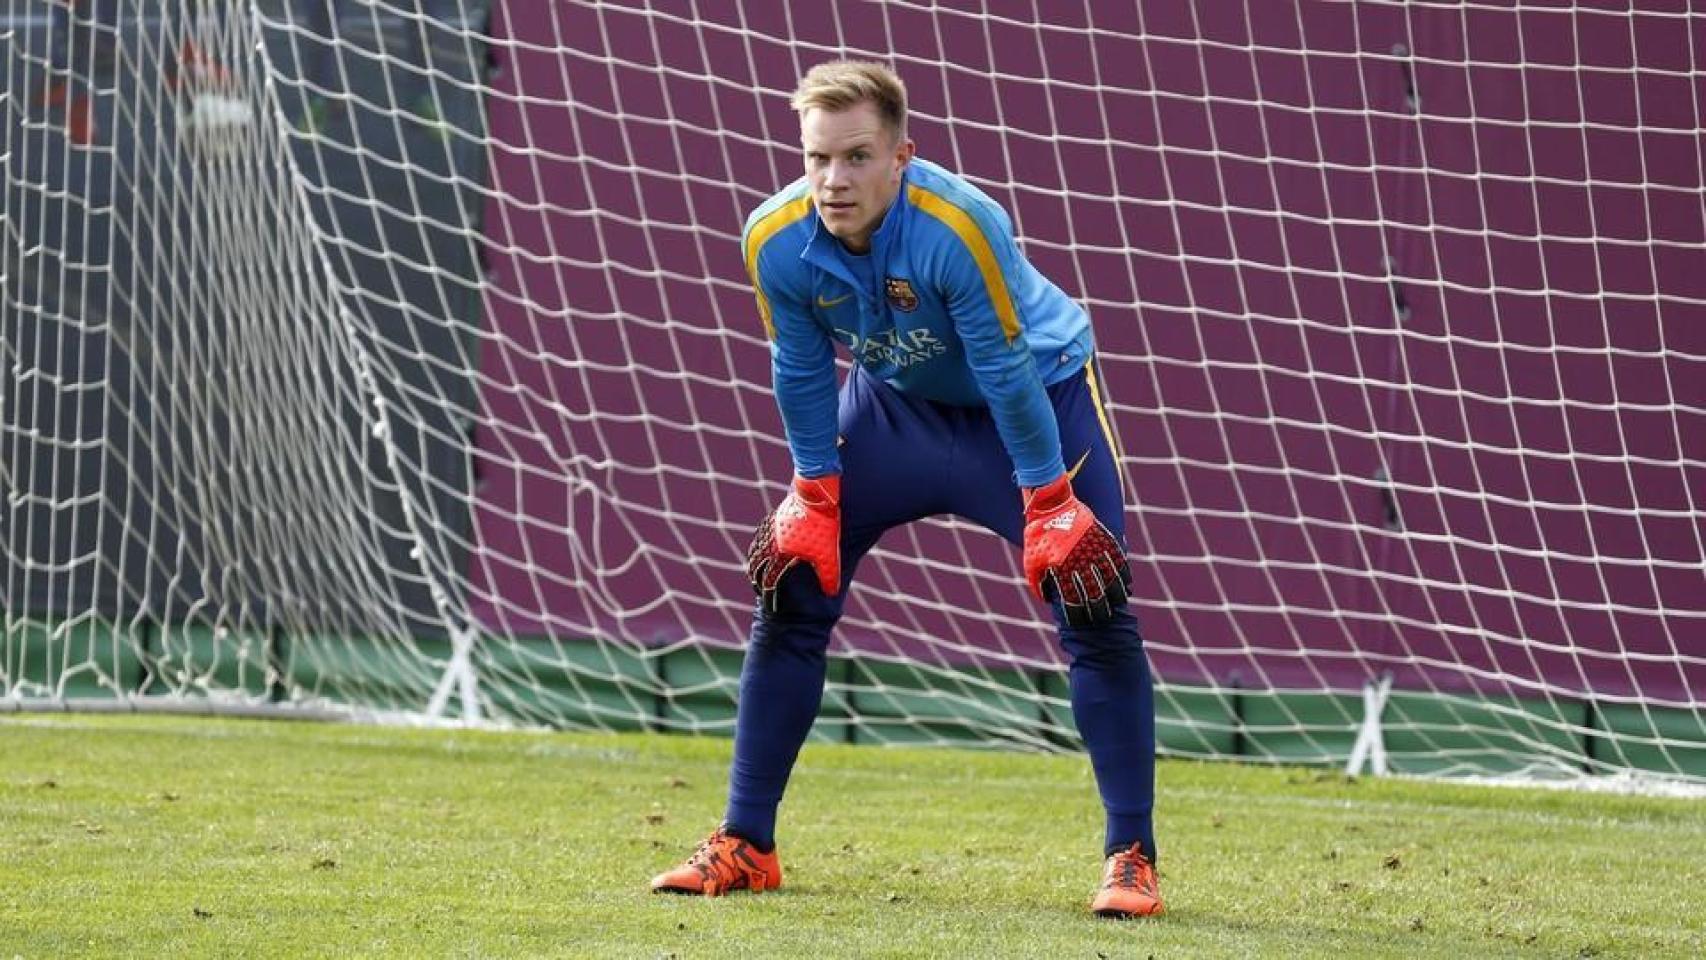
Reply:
x=398, y=359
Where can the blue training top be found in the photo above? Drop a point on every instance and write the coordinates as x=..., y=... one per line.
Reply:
x=950, y=311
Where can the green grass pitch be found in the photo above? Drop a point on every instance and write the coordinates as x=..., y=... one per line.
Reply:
x=190, y=837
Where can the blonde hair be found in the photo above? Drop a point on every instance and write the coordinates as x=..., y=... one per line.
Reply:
x=842, y=84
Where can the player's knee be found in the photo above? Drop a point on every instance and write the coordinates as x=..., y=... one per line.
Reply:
x=798, y=632
x=800, y=599
x=1115, y=641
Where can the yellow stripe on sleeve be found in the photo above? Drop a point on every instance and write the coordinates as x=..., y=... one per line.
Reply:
x=789, y=213
x=972, y=236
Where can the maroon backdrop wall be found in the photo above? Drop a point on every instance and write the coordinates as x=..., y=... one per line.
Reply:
x=1344, y=261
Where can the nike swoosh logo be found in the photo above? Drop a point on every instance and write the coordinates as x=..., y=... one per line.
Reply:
x=1073, y=473
x=826, y=304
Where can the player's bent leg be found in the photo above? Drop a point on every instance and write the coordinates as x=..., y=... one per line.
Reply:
x=781, y=688
x=1113, y=705
x=722, y=863
x=782, y=676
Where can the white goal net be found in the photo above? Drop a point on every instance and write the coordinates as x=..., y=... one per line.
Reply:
x=398, y=357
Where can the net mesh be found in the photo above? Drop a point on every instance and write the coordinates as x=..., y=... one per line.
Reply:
x=401, y=355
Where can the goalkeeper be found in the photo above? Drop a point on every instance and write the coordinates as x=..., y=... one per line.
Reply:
x=972, y=393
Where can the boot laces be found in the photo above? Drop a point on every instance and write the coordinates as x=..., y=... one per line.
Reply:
x=714, y=859
x=1131, y=870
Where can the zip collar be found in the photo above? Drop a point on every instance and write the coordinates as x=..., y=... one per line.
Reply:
x=820, y=249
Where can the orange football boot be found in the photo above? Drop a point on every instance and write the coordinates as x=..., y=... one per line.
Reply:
x=1129, y=888
x=722, y=863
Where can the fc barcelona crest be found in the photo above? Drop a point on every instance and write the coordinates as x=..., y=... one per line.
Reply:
x=901, y=294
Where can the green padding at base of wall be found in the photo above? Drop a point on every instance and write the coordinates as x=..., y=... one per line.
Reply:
x=199, y=657
x=1650, y=739
x=68, y=659
x=694, y=689
x=608, y=686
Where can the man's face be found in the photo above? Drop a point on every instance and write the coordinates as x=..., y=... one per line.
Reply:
x=854, y=166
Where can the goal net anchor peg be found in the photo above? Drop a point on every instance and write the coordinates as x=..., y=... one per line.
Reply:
x=459, y=677
x=1370, y=746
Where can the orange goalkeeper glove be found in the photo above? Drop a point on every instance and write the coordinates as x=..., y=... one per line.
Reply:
x=1069, y=554
x=805, y=526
